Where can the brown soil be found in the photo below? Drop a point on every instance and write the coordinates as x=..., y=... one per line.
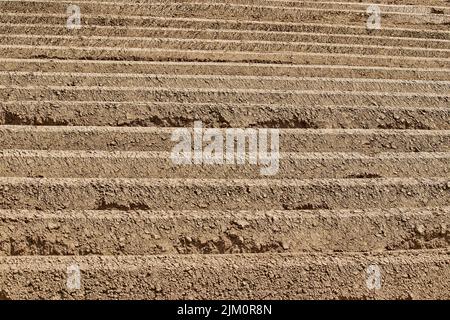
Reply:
x=86, y=178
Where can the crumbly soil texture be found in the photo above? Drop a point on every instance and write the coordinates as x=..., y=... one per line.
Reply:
x=93, y=206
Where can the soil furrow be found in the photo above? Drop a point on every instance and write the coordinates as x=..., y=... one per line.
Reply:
x=140, y=44
x=27, y=79
x=224, y=69
x=406, y=275
x=224, y=194
x=132, y=22
x=156, y=139
x=131, y=34
x=223, y=232
x=95, y=164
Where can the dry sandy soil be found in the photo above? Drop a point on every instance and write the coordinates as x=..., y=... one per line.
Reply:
x=86, y=178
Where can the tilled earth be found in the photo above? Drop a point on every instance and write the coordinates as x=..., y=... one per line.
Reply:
x=86, y=176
